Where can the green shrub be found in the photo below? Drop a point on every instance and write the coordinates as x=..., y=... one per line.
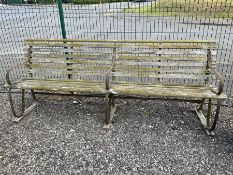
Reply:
x=95, y=1
x=39, y=1
x=45, y=1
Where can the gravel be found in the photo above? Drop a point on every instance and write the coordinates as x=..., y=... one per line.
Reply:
x=147, y=137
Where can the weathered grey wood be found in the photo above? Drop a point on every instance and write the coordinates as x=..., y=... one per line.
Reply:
x=163, y=70
x=147, y=63
x=163, y=52
x=64, y=72
x=121, y=41
x=167, y=57
x=164, y=91
x=112, y=45
x=155, y=69
x=66, y=86
x=48, y=57
x=168, y=75
x=70, y=50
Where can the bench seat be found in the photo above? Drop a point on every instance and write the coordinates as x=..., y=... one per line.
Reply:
x=78, y=86
x=165, y=91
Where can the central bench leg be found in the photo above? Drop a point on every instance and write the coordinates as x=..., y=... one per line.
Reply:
x=110, y=109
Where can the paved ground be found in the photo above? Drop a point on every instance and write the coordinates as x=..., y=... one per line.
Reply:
x=148, y=137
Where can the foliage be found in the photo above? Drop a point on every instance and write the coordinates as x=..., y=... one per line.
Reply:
x=94, y=1
x=39, y=1
x=212, y=8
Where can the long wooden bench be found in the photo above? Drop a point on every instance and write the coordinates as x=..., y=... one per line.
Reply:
x=175, y=70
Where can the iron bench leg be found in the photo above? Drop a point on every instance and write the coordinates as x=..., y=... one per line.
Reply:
x=23, y=112
x=205, y=120
x=110, y=109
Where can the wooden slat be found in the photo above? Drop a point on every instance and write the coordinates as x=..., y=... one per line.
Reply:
x=122, y=45
x=75, y=86
x=89, y=45
x=161, y=52
x=74, y=50
x=161, y=85
x=121, y=41
x=65, y=80
x=161, y=64
x=50, y=63
x=153, y=52
x=163, y=91
x=73, y=67
x=86, y=56
x=166, y=76
x=122, y=62
x=64, y=72
x=179, y=46
x=168, y=57
x=162, y=70
x=127, y=71
x=123, y=69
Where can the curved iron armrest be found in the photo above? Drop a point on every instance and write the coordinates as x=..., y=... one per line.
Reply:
x=9, y=71
x=221, y=80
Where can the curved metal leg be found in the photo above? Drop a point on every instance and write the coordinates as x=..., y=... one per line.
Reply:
x=216, y=116
x=23, y=112
x=205, y=120
x=201, y=105
x=33, y=95
x=109, y=110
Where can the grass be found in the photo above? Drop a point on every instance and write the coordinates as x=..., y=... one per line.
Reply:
x=199, y=8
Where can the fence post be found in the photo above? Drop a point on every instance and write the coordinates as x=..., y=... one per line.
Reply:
x=61, y=15
x=63, y=30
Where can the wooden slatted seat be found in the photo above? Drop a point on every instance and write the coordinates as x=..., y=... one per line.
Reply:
x=170, y=69
x=65, y=86
x=164, y=91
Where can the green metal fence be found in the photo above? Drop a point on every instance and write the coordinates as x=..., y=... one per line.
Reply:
x=148, y=20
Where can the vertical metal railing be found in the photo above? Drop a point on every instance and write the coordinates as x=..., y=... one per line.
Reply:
x=62, y=21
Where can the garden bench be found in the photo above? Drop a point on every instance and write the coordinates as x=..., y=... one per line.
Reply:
x=175, y=70
x=170, y=70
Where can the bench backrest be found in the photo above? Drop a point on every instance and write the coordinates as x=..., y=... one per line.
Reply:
x=152, y=62
x=166, y=62
x=68, y=59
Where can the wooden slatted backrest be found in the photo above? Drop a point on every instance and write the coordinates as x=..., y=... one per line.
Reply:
x=167, y=62
x=68, y=59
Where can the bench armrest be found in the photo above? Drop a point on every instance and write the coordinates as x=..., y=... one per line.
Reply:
x=219, y=76
x=9, y=82
x=221, y=81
